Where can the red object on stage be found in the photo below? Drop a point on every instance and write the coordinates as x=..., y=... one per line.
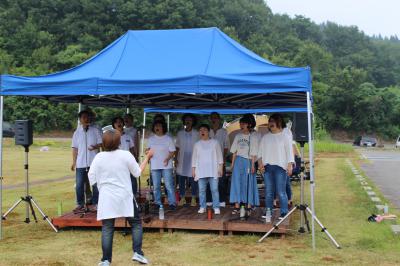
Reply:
x=209, y=214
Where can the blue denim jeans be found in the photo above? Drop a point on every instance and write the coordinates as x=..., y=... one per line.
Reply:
x=134, y=183
x=214, y=191
x=222, y=189
x=168, y=182
x=81, y=177
x=288, y=189
x=107, y=234
x=275, y=179
x=182, y=185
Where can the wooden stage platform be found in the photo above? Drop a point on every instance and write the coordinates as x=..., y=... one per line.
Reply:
x=184, y=218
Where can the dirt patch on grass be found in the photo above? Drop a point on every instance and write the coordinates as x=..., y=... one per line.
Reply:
x=331, y=259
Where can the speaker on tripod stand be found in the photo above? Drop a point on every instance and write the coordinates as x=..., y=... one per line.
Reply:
x=24, y=137
x=301, y=136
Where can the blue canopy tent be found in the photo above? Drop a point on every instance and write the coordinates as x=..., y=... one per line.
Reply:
x=176, y=70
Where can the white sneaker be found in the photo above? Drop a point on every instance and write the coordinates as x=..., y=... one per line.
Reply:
x=217, y=211
x=222, y=204
x=139, y=258
x=104, y=263
x=202, y=210
x=209, y=204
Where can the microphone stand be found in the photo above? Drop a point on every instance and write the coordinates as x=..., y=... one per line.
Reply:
x=86, y=207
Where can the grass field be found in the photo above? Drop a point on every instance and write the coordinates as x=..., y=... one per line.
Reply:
x=341, y=204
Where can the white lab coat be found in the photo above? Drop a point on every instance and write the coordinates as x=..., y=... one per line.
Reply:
x=184, y=167
x=111, y=172
x=207, y=157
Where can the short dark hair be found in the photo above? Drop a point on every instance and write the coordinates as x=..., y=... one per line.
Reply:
x=115, y=120
x=205, y=126
x=129, y=115
x=192, y=116
x=215, y=113
x=278, y=118
x=159, y=117
x=246, y=120
x=81, y=113
x=251, y=120
x=163, y=124
x=111, y=140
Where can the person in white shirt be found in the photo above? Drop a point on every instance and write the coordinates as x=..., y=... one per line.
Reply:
x=110, y=172
x=132, y=131
x=161, y=163
x=243, y=183
x=85, y=144
x=276, y=161
x=92, y=118
x=207, y=162
x=127, y=144
x=221, y=135
x=185, y=141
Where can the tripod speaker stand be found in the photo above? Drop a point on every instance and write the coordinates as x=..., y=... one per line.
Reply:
x=23, y=136
x=303, y=208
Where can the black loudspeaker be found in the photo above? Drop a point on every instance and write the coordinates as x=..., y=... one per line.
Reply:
x=300, y=127
x=23, y=132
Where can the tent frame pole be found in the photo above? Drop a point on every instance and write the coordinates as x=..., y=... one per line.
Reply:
x=311, y=159
x=1, y=165
x=143, y=132
x=312, y=178
x=168, y=122
x=79, y=110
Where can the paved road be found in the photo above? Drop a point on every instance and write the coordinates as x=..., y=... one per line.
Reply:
x=384, y=169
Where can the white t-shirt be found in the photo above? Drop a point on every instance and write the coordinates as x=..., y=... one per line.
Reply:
x=111, y=172
x=82, y=140
x=276, y=149
x=162, y=146
x=185, y=142
x=288, y=133
x=207, y=156
x=221, y=136
x=241, y=145
x=126, y=142
x=131, y=131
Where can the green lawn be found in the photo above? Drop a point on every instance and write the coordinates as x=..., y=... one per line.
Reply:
x=341, y=204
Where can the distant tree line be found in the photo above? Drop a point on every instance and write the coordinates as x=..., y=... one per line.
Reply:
x=356, y=78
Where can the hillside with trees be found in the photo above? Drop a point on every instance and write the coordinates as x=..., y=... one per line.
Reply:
x=356, y=78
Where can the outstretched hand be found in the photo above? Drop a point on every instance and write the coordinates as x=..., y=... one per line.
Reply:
x=149, y=153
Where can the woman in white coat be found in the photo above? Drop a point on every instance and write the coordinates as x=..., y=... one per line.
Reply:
x=185, y=141
x=111, y=171
x=207, y=165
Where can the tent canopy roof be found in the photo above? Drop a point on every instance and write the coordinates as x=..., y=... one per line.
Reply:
x=185, y=68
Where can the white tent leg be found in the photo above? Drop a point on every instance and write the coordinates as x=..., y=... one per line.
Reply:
x=168, y=122
x=143, y=132
x=1, y=166
x=79, y=110
x=127, y=110
x=311, y=158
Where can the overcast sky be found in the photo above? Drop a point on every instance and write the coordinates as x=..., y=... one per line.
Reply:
x=371, y=16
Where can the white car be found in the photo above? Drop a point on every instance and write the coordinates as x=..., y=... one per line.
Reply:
x=398, y=142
